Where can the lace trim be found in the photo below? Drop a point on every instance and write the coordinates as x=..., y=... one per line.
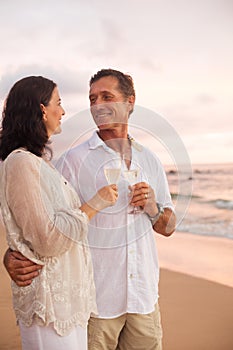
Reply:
x=40, y=316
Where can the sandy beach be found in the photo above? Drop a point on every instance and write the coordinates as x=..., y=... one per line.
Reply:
x=196, y=294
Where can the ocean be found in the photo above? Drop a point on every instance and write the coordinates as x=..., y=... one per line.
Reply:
x=210, y=204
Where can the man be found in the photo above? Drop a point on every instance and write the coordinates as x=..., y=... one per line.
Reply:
x=123, y=247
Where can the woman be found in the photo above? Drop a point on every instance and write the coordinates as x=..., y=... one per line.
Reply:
x=45, y=221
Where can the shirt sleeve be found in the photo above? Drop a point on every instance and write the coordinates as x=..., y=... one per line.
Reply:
x=49, y=232
x=158, y=180
x=163, y=192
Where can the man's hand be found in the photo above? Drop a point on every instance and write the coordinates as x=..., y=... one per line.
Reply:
x=143, y=196
x=20, y=269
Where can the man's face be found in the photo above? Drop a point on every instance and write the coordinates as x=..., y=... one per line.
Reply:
x=109, y=107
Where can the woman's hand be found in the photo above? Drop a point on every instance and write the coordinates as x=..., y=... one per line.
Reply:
x=105, y=197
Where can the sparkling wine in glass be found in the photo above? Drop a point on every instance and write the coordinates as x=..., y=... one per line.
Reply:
x=112, y=171
x=112, y=175
x=132, y=177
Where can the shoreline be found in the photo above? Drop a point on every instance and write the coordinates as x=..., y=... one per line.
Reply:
x=207, y=257
x=196, y=312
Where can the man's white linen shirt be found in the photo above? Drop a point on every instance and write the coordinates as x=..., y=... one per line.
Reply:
x=123, y=246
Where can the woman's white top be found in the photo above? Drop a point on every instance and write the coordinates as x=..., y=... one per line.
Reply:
x=43, y=221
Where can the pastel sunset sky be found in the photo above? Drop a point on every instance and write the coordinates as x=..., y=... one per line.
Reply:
x=179, y=52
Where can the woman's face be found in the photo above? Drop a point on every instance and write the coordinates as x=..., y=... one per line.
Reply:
x=53, y=113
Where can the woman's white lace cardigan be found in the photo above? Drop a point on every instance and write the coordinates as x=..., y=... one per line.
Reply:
x=43, y=221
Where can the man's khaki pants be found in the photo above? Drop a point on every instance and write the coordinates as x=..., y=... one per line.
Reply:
x=127, y=332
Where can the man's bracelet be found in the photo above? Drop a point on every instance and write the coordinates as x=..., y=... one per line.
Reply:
x=155, y=218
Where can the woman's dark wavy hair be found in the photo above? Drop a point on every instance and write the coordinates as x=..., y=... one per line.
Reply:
x=22, y=117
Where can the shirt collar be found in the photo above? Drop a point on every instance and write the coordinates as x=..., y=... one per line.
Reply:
x=95, y=141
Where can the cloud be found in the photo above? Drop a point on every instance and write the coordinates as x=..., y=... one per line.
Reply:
x=179, y=54
x=200, y=115
x=69, y=81
x=205, y=99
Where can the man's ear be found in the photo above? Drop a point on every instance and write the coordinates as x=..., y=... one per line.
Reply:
x=131, y=101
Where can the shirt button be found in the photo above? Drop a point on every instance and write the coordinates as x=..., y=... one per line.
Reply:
x=131, y=275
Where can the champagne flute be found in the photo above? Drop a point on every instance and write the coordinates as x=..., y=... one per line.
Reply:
x=132, y=177
x=112, y=173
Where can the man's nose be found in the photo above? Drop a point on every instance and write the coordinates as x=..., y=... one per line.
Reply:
x=99, y=100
